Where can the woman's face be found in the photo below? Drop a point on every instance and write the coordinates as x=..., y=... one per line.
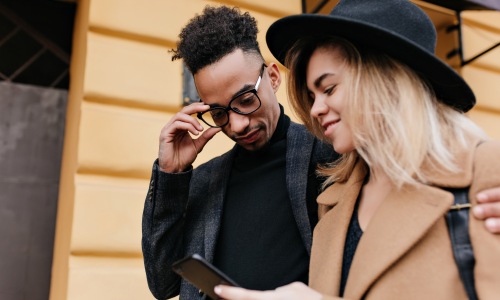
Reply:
x=325, y=75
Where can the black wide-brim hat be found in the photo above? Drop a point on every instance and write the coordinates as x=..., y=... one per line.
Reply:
x=398, y=28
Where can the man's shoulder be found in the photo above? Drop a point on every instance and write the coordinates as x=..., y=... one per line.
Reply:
x=321, y=151
x=299, y=129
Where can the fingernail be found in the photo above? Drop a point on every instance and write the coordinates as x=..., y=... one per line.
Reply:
x=478, y=211
x=481, y=197
x=217, y=289
x=491, y=224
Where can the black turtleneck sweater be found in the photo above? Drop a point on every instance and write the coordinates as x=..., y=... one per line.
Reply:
x=259, y=244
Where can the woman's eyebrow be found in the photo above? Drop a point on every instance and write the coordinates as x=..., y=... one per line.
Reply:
x=318, y=80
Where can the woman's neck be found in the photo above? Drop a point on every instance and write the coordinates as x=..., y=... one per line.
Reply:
x=373, y=194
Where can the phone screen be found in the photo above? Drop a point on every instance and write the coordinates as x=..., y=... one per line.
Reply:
x=200, y=273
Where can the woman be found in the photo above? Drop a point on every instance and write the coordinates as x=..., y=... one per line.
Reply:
x=365, y=79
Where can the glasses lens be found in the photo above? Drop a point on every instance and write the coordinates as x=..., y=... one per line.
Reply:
x=216, y=117
x=246, y=103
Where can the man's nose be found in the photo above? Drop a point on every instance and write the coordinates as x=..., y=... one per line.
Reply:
x=238, y=123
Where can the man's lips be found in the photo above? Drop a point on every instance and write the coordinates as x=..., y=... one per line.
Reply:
x=249, y=137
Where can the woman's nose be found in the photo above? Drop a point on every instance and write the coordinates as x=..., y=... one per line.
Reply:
x=318, y=108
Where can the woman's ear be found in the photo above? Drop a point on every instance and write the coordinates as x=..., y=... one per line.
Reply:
x=274, y=74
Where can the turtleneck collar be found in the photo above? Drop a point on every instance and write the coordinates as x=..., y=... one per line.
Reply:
x=281, y=127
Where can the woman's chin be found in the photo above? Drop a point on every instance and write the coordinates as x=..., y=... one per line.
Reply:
x=342, y=149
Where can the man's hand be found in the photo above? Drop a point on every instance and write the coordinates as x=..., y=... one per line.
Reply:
x=488, y=209
x=178, y=149
x=292, y=291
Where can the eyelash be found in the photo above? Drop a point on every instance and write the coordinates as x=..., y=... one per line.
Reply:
x=327, y=91
x=330, y=90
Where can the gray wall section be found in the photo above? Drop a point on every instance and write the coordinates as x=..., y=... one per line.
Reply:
x=31, y=138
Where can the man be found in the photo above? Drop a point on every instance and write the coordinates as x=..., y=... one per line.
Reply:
x=245, y=211
x=250, y=211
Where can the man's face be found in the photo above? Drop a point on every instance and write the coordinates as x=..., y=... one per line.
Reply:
x=218, y=83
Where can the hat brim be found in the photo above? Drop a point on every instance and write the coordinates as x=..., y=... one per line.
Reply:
x=447, y=84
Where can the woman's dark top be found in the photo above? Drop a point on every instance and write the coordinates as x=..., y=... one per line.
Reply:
x=354, y=233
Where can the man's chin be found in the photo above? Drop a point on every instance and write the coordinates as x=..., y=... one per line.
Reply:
x=255, y=146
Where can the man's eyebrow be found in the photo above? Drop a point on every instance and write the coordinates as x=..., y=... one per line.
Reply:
x=246, y=87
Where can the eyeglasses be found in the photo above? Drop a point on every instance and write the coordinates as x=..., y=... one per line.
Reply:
x=243, y=103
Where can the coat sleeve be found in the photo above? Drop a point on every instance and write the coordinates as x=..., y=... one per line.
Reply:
x=162, y=230
x=485, y=245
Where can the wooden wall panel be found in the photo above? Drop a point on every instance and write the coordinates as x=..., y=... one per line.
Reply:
x=489, y=121
x=127, y=72
x=275, y=8
x=117, y=140
x=108, y=213
x=153, y=19
x=107, y=278
x=160, y=20
x=481, y=30
x=486, y=86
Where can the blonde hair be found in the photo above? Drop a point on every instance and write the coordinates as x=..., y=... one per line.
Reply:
x=397, y=123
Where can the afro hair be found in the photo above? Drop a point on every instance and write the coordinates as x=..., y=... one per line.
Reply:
x=215, y=33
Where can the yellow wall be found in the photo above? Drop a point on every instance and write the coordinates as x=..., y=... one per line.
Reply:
x=123, y=90
x=481, y=30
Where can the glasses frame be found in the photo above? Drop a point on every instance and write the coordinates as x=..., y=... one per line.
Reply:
x=228, y=108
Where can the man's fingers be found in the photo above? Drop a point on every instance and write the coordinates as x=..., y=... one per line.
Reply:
x=489, y=195
x=185, y=115
x=195, y=108
x=490, y=212
x=177, y=126
x=493, y=225
x=487, y=210
x=205, y=137
x=183, y=118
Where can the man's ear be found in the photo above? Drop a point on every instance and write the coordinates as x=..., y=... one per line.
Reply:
x=274, y=74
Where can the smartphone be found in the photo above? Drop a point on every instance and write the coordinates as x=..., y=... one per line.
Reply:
x=202, y=274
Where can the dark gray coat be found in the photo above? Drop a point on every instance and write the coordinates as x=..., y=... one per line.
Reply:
x=182, y=212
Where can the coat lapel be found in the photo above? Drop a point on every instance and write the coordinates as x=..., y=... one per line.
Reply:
x=215, y=202
x=399, y=223
x=299, y=148
x=330, y=233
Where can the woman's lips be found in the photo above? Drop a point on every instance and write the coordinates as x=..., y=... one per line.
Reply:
x=330, y=125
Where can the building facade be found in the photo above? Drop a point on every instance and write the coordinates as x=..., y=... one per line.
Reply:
x=124, y=88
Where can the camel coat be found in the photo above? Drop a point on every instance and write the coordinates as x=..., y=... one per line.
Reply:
x=405, y=252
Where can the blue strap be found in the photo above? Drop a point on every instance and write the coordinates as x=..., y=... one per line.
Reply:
x=458, y=227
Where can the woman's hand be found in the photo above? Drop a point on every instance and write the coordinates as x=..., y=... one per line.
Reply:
x=292, y=291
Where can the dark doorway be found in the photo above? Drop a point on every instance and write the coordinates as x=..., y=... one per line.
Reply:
x=35, y=50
